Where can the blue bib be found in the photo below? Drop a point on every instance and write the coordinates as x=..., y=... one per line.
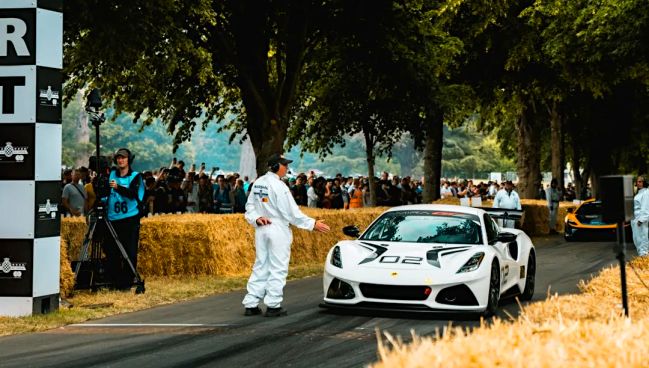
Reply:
x=120, y=207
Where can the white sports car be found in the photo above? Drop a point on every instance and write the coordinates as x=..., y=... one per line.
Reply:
x=431, y=258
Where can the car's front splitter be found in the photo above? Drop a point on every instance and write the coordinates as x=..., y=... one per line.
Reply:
x=477, y=283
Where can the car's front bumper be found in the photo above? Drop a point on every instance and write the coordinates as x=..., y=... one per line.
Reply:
x=572, y=233
x=475, y=283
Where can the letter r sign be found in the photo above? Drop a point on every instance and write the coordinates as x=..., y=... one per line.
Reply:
x=17, y=36
x=13, y=31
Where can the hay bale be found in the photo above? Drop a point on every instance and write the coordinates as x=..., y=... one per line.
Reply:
x=223, y=245
x=537, y=216
x=616, y=342
x=66, y=277
x=581, y=330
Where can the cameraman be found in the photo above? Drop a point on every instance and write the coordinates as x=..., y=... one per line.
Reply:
x=126, y=193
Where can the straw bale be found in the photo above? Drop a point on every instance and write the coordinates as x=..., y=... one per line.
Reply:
x=616, y=342
x=587, y=329
x=202, y=244
x=222, y=245
x=537, y=216
x=197, y=244
x=66, y=279
x=73, y=230
x=601, y=296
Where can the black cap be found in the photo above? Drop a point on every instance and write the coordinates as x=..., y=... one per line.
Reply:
x=122, y=152
x=278, y=159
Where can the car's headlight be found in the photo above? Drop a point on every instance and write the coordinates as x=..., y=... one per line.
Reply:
x=336, y=258
x=473, y=263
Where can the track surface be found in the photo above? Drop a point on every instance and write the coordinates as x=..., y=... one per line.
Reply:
x=213, y=332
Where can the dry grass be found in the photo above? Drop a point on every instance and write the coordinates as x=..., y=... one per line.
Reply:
x=616, y=342
x=159, y=291
x=563, y=331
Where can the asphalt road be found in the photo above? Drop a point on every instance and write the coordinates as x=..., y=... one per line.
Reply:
x=213, y=332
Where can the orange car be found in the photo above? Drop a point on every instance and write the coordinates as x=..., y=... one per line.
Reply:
x=585, y=223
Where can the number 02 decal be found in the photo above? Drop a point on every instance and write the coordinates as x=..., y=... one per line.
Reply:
x=405, y=260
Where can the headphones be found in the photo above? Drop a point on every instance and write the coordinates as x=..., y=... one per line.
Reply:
x=275, y=167
x=130, y=156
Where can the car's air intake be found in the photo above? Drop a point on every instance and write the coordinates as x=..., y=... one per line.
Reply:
x=395, y=292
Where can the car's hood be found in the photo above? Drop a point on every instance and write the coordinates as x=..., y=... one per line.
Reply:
x=398, y=255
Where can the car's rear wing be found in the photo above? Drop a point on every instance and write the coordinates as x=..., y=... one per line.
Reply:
x=503, y=213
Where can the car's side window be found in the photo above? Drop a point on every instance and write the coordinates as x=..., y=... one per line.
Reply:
x=492, y=230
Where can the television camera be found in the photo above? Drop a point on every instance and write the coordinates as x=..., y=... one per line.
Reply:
x=89, y=270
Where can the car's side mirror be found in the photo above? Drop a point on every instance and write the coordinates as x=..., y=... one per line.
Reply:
x=506, y=237
x=352, y=231
x=571, y=210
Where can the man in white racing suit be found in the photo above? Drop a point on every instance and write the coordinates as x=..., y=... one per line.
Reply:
x=509, y=199
x=640, y=222
x=270, y=209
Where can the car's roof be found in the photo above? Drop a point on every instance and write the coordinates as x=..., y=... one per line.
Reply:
x=439, y=207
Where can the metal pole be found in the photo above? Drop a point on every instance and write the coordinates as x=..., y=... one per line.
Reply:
x=621, y=253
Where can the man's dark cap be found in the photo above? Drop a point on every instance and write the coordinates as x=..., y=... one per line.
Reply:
x=122, y=152
x=278, y=159
x=509, y=182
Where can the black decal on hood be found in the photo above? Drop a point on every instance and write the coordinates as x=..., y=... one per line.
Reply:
x=378, y=250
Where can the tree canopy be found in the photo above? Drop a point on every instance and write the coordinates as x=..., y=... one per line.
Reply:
x=539, y=74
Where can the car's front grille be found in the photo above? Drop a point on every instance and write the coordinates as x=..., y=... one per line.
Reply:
x=395, y=292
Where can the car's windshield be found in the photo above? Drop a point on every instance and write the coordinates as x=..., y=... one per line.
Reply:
x=590, y=213
x=426, y=227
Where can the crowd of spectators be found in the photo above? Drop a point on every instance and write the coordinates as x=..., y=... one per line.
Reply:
x=174, y=190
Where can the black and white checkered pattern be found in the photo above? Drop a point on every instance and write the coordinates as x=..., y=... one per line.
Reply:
x=31, y=58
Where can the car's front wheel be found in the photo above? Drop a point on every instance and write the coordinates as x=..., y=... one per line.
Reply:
x=494, y=290
x=530, y=278
x=568, y=233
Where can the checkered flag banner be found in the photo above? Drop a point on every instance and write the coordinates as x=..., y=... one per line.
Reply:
x=31, y=58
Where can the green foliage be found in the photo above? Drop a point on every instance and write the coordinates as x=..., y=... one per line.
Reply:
x=151, y=144
x=469, y=154
x=327, y=70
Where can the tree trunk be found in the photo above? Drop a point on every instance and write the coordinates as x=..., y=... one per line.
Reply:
x=369, y=154
x=575, y=171
x=528, y=164
x=600, y=163
x=265, y=127
x=268, y=86
x=433, y=159
x=407, y=155
x=270, y=143
x=557, y=146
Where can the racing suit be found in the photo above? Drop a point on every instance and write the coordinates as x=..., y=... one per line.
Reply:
x=272, y=199
x=640, y=222
x=509, y=201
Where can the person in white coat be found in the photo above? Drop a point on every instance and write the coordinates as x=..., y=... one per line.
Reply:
x=509, y=199
x=640, y=221
x=270, y=209
x=553, y=196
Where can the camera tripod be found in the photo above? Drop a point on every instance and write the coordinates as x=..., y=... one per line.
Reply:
x=91, y=252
